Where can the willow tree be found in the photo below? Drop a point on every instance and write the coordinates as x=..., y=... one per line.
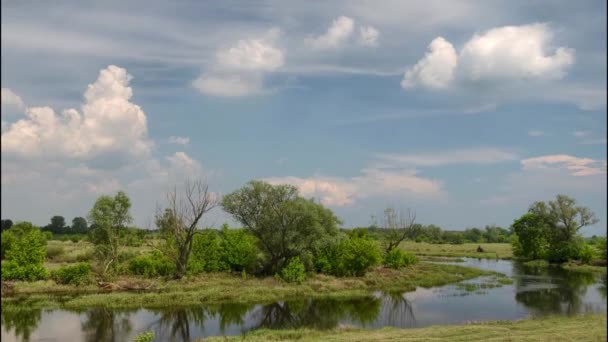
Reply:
x=110, y=215
x=178, y=222
x=396, y=225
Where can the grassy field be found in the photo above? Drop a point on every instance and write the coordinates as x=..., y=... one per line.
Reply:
x=224, y=287
x=491, y=250
x=576, y=328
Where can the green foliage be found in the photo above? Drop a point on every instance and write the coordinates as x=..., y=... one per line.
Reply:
x=531, y=237
x=110, y=215
x=207, y=254
x=294, y=271
x=587, y=253
x=562, y=251
x=398, y=258
x=351, y=256
x=146, y=336
x=78, y=274
x=153, y=265
x=239, y=251
x=284, y=223
x=8, y=239
x=26, y=253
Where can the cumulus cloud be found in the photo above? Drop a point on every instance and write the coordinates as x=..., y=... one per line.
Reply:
x=10, y=99
x=368, y=36
x=435, y=70
x=478, y=155
x=576, y=166
x=239, y=70
x=338, y=32
x=340, y=192
x=508, y=53
x=108, y=125
x=178, y=140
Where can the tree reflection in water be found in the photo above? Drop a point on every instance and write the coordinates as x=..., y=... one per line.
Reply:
x=106, y=325
x=563, y=296
x=397, y=310
x=20, y=318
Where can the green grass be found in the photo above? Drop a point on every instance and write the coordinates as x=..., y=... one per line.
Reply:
x=491, y=250
x=575, y=328
x=224, y=287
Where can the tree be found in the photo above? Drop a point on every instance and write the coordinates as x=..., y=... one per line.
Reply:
x=57, y=224
x=178, y=222
x=285, y=224
x=6, y=224
x=25, y=254
x=531, y=237
x=79, y=225
x=110, y=215
x=396, y=224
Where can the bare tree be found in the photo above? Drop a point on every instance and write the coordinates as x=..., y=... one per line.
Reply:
x=396, y=223
x=178, y=222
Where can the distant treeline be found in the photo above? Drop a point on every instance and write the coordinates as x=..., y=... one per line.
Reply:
x=434, y=234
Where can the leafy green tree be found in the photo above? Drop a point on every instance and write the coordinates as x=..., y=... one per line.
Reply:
x=531, y=237
x=239, y=251
x=6, y=224
x=285, y=224
x=110, y=215
x=79, y=225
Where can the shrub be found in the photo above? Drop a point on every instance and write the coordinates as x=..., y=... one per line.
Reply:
x=206, y=255
x=8, y=239
x=347, y=256
x=153, y=265
x=565, y=250
x=86, y=256
x=238, y=249
x=26, y=253
x=79, y=274
x=54, y=251
x=294, y=271
x=586, y=253
x=398, y=258
x=11, y=270
x=146, y=336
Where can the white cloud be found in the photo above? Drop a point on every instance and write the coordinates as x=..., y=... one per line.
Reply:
x=107, y=126
x=581, y=134
x=513, y=52
x=536, y=133
x=576, y=166
x=10, y=99
x=229, y=85
x=239, y=70
x=480, y=155
x=508, y=53
x=368, y=36
x=178, y=140
x=340, y=192
x=435, y=70
x=339, y=31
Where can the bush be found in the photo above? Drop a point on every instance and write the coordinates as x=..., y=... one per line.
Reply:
x=151, y=265
x=294, y=271
x=146, y=336
x=11, y=270
x=206, y=255
x=86, y=256
x=26, y=253
x=79, y=274
x=398, y=258
x=345, y=257
x=54, y=251
x=239, y=251
x=565, y=250
x=586, y=254
x=8, y=239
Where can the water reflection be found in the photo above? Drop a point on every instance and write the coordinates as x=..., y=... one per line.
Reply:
x=552, y=290
x=535, y=291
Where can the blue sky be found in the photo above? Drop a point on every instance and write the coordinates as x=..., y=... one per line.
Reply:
x=465, y=111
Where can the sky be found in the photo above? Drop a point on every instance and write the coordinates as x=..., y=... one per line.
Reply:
x=464, y=111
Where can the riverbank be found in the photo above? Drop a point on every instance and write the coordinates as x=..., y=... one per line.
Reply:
x=570, y=266
x=490, y=250
x=225, y=287
x=563, y=328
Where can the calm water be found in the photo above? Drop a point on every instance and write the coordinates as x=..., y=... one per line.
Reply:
x=534, y=292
